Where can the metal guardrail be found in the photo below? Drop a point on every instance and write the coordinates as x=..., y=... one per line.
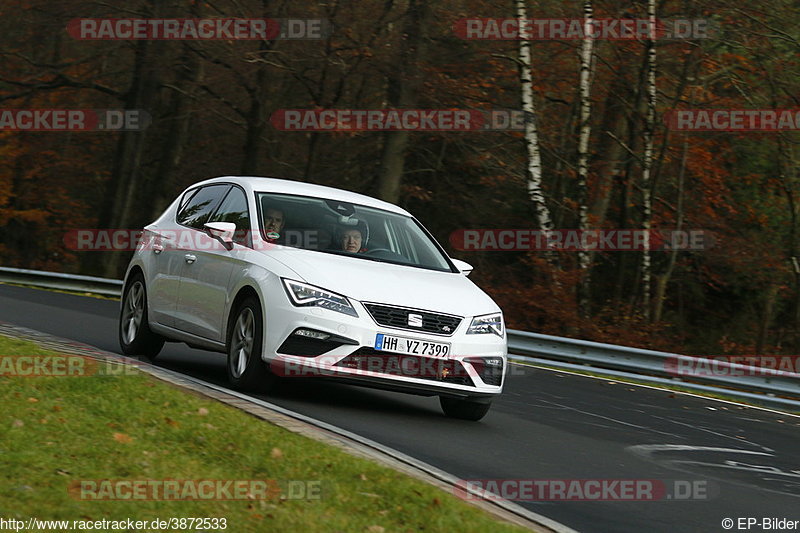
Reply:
x=777, y=387
x=66, y=282
x=774, y=388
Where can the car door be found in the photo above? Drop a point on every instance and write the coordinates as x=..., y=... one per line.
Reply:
x=205, y=282
x=165, y=262
x=189, y=238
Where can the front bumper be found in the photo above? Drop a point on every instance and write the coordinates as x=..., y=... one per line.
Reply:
x=474, y=367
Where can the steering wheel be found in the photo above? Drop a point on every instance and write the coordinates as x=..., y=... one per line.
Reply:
x=377, y=250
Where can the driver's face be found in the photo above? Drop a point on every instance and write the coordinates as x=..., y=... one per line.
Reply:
x=351, y=241
x=273, y=220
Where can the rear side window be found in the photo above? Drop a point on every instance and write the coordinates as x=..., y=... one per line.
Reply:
x=199, y=208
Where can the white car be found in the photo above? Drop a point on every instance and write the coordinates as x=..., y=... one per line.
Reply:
x=294, y=279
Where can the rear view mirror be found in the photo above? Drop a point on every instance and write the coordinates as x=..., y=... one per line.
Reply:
x=222, y=230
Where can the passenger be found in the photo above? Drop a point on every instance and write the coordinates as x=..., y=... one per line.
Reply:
x=273, y=222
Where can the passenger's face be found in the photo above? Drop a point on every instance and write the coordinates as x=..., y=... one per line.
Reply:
x=273, y=220
x=351, y=241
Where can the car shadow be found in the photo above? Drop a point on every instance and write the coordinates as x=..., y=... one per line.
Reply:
x=311, y=391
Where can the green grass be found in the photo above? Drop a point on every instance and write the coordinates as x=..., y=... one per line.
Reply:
x=56, y=431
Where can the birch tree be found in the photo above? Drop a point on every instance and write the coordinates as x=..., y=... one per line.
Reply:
x=534, y=167
x=586, y=51
x=647, y=160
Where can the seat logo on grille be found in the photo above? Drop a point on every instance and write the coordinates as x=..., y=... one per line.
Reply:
x=414, y=320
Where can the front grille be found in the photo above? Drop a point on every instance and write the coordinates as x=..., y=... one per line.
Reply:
x=411, y=366
x=398, y=317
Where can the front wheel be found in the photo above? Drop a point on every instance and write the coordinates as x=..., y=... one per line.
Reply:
x=135, y=336
x=246, y=370
x=464, y=409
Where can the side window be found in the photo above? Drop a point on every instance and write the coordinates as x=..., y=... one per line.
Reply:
x=186, y=198
x=197, y=210
x=234, y=209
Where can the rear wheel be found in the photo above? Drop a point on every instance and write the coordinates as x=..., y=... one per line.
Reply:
x=246, y=370
x=135, y=336
x=464, y=409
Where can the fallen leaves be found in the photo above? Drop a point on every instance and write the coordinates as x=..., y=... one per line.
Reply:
x=123, y=438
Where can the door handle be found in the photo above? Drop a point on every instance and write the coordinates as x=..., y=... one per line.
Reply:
x=190, y=258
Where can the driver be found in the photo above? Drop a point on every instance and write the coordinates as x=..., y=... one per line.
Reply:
x=352, y=239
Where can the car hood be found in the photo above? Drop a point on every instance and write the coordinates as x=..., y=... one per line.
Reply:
x=372, y=281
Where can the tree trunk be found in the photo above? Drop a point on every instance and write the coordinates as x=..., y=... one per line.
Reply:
x=403, y=91
x=256, y=118
x=534, y=169
x=180, y=110
x=584, y=259
x=127, y=170
x=647, y=161
x=663, y=279
x=766, y=318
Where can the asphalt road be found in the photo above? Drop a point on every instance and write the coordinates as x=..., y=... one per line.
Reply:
x=547, y=425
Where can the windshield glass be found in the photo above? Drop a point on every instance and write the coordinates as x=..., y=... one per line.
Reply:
x=342, y=228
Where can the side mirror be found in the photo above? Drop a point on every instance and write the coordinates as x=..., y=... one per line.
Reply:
x=463, y=266
x=222, y=230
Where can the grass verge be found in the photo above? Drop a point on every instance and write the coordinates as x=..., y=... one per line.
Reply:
x=58, y=431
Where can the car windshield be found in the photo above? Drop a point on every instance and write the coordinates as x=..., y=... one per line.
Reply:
x=342, y=228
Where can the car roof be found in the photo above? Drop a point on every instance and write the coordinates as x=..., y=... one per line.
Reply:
x=300, y=188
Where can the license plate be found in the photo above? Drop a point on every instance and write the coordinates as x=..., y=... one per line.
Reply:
x=405, y=345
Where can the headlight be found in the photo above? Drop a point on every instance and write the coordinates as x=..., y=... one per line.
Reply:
x=305, y=295
x=492, y=323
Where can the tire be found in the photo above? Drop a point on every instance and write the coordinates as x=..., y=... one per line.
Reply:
x=135, y=336
x=246, y=370
x=464, y=409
